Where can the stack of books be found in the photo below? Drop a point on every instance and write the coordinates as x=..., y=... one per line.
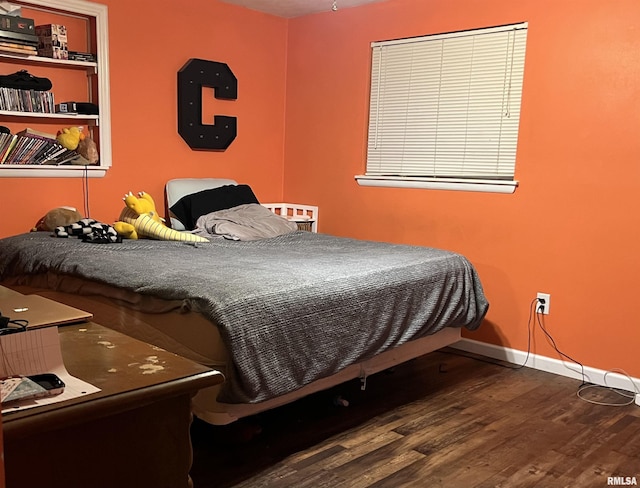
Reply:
x=17, y=35
x=33, y=147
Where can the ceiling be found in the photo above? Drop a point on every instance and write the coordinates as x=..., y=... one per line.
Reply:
x=296, y=8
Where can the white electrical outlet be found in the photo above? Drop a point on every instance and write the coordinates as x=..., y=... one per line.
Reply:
x=543, y=307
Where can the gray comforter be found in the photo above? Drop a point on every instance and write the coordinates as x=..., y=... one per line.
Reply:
x=247, y=222
x=292, y=308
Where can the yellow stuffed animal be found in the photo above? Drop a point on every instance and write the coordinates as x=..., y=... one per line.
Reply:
x=139, y=219
x=70, y=137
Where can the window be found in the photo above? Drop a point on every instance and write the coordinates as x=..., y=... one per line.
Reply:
x=445, y=109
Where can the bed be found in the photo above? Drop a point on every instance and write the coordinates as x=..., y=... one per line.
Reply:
x=280, y=316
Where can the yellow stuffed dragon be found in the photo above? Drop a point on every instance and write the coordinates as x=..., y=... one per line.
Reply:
x=139, y=218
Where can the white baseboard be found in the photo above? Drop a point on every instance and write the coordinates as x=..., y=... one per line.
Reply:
x=564, y=368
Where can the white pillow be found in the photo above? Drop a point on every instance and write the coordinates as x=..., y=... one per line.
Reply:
x=177, y=188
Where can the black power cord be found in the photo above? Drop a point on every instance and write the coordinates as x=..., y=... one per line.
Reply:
x=8, y=326
x=537, y=310
x=629, y=396
x=553, y=342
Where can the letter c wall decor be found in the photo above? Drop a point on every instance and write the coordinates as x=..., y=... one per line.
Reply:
x=195, y=74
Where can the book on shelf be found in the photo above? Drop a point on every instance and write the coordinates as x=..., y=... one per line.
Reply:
x=13, y=150
x=31, y=147
x=9, y=147
x=52, y=154
x=21, y=146
x=30, y=154
x=65, y=157
x=17, y=44
x=11, y=47
x=22, y=38
x=28, y=131
x=5, y=140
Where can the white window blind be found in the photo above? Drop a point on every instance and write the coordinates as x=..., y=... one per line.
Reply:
x=447, y=105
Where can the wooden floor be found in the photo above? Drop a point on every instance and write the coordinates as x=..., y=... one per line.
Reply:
x=443, y=420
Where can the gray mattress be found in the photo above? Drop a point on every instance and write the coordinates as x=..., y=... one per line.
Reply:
x=291, y=309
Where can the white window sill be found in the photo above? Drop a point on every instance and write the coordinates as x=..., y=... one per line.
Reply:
x=489, y=186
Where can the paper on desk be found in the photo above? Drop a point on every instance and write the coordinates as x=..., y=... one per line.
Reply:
x=34, y=352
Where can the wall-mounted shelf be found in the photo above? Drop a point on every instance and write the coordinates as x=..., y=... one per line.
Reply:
x=45, y=171
x=61, y=63
x=96, y=90
x=45, y=115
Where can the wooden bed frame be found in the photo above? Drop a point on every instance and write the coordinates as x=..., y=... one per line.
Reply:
x=225, y=413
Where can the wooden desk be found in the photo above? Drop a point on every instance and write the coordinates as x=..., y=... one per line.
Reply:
x=133, y=433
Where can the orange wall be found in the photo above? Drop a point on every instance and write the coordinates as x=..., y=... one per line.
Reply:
x=149, y=43
x=570, y=229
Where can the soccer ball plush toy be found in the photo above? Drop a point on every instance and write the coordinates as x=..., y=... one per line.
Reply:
x=68, y=222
